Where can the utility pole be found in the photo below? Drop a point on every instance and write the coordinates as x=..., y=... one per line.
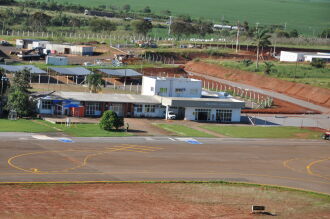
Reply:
x=169, y=26
x=237, y=36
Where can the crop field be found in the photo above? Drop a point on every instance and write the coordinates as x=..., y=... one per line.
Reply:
x=305, y=15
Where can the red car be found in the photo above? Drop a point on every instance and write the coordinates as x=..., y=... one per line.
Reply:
x=326, y=136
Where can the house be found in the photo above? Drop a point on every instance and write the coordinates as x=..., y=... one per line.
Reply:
x=182, y=96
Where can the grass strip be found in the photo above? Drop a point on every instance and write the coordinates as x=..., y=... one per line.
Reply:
x=263, y=132
x=324, y=196
x=183, y=130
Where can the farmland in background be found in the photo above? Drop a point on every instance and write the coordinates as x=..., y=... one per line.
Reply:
x=308, y=16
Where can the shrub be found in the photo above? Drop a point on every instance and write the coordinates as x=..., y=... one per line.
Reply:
x=318, y=63
x=247, y=62
x=111, y=120
x=268, y=67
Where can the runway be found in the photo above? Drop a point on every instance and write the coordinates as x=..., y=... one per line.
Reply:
x=302, y=164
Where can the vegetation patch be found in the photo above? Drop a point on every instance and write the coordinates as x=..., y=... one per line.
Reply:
x=263, y=132
x=23, y=125
x=183, y=130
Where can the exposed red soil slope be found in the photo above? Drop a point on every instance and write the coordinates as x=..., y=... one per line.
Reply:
x=320, y=96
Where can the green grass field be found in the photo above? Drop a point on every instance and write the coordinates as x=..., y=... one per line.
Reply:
x=90, y=130
x=305, y=15
x=23, y=125
x=263, y=132
x=182, y=130
x=39, y=126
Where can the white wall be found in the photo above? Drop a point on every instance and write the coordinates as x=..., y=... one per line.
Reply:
x=189, y=88
x=288, y=56
x=236, y=115
x=292, y=56
x=159, y=112
x=147, y=84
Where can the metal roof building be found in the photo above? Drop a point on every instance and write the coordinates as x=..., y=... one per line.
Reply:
x=16, y=68
x=118, y=98
x=121, y=72
x=76, y=71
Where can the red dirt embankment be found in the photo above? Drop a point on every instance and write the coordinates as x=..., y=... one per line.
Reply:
x=320, y=96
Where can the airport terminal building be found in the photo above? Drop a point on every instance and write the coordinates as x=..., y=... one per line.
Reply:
x=182, y=96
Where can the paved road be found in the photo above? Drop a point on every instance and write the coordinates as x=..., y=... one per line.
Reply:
x=267, y=92
x=38, y=158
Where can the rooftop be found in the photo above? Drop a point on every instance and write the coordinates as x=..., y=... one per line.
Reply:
x=117, y=98
x=172, y=79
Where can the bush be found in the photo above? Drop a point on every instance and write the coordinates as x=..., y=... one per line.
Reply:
x=247, y=62
x=318, y=63
x=111, y=120
x=268, y=67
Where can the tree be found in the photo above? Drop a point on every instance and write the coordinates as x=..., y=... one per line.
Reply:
x=147, y=10
x=39, y=20
x=98, y=25
x=203, y=28
x=246, y=26
x=111, y=120
x=261, y=39
x=75, y=22
x=142, y=27
x=127, y=8
x=94, y=82
x=18, y=98
x=318, y=63
x=4, y=84
x=268, y=67
x=294, y=33
x=282, y=34
x=180, y=28
x=325, y=33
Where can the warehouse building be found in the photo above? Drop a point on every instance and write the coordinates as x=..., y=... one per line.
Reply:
x=83, y=50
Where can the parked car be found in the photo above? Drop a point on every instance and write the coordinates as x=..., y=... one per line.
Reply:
x=171, y=115
x=4, y=43
x=326, y=136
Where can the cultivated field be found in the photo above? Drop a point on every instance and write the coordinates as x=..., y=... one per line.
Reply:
x=306, y=15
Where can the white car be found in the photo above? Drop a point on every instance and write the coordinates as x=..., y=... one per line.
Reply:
x=171, y=115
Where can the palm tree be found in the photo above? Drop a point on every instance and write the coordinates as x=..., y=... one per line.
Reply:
x=261, y=39
x=94, y=82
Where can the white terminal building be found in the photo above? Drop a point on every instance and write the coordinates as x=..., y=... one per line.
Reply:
x=181, y=96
